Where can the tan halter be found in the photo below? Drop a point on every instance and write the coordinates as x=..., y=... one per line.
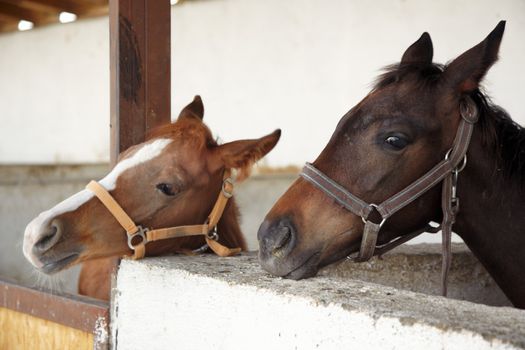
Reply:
x=145, y=235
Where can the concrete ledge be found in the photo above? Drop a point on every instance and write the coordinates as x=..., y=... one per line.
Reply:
x=208, y=302
x=417, y=268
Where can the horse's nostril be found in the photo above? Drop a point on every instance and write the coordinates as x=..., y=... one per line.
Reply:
x=283, y=236
x=276, y=238
x=47, y=240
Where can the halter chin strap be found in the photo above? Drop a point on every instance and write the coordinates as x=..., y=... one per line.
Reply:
x=447, y=171
x=138, y=236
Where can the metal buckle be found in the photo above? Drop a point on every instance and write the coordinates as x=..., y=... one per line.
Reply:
x=457, y=169
x=141, y=232
x=224, y=192
x=375, y=206
x=213, y=235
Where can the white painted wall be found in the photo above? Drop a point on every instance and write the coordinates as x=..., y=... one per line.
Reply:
x=229, y=303
x=54, y=94
x=296, y=64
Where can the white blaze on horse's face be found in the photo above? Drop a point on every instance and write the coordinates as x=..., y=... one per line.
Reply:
x=42, y=227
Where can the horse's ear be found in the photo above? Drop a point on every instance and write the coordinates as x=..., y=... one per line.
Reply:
x=419, y=52
x=242, y=154
x=194, y=110
x=465, y=72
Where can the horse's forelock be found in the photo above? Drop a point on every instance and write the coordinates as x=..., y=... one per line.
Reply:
x=194, y=131
x=424, y=74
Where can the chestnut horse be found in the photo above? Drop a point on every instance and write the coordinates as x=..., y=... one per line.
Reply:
x=399, y=131
x=172, y=179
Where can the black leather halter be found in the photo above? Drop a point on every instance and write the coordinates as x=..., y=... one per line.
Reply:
x=447, y=171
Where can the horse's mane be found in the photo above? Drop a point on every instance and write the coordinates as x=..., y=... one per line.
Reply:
x=501, y=134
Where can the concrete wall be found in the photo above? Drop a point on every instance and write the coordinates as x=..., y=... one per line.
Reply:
x=54, y=94
x=229, y=303
x=259, y=65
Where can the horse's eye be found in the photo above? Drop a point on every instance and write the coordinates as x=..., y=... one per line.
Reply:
x=396, y=142
x=167, y=189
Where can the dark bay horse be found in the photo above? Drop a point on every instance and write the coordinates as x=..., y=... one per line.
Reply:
x=172, y=179
x=400, y=130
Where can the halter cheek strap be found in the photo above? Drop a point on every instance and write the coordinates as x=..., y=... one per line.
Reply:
x=445, y=171
x=138, y=236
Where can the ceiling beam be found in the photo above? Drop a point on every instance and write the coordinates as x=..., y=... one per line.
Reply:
x=8, y=26
x=20, y=13
x=86, y=9
x=42, y=12
x=33, y=6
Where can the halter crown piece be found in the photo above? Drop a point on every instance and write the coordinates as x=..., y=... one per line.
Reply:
x=447, y=171
x=139, y=236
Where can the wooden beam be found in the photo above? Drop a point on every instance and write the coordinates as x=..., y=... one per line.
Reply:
x=8, y=25
x=6, y=18
x=139, y=69
x=33, y=6
x=18, y=12
x=75, y=311
x=42, y=12
x=81, y=9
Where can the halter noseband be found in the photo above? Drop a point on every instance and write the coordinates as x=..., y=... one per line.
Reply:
x=447, y=171
x=145, y=235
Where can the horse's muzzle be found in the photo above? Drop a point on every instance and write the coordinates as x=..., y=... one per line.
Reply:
x=39, y=238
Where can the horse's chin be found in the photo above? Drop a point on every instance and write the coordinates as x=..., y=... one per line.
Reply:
x=297, y=267
x=293, y=266
x=306, y=270
x=54, y=266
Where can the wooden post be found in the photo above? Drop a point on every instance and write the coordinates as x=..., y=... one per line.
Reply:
x=140, y=87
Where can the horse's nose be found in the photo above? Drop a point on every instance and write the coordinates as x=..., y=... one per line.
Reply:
x=276, y=237
x=46, y=238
